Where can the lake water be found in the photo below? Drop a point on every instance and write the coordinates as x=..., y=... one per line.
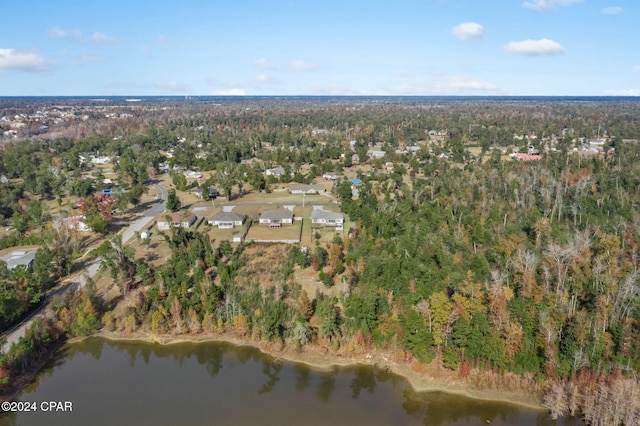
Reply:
x=134, y=383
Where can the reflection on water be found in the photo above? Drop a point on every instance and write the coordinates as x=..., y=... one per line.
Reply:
x=132, y=383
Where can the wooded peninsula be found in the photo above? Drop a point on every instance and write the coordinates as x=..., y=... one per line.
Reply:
x=493, y=242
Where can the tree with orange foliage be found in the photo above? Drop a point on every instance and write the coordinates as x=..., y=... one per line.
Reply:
x=97, y=211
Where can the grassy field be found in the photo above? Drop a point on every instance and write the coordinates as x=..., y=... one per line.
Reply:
x=263, y=233
x=223, y=234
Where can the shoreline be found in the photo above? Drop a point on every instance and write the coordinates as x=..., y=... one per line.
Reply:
x=321, y=359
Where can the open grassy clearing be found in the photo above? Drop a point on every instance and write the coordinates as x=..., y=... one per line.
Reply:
x=289, y=232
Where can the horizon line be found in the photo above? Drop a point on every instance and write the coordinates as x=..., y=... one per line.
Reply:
x=134, y=96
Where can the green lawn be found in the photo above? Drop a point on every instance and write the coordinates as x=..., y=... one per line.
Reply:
x=263, y=233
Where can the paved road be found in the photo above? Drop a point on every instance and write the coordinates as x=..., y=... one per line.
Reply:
x=239, y=203
x=143, y=221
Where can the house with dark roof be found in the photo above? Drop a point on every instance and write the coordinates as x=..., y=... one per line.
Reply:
x=213, y=193
x=226, y=220
x=276, y=218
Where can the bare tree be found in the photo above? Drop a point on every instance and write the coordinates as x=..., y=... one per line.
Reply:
x=523, y=264
x=555, y=400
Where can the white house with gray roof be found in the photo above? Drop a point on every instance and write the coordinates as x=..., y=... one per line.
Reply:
x=276, y=218
x=320, y=217
x=276, y=171
x=18, y=258
x=301, y=188
x=226, y=220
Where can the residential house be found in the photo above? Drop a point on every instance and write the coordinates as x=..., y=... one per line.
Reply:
x=526, y=157
x=306, y=189
x=179, y=219
x=320, y=217
x=192, y=175
x=355, y=183
x=18, y=258
x=213, y=193
x=100, y=160
x=77, y=222
x=111, y=192
x=332, y=176
x=226, y=220
x=276, y=218
x=276, y=171
x=374, y=154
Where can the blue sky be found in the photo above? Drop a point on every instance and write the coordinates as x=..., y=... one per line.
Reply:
x=320, y=47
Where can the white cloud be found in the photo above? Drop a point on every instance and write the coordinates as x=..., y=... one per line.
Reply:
x=340, y=90
x=26, y=61
x=101, y=38
x=468, y=31
x=542, y=5
x=623, y=92
x=535, y=47
x=229, y=92
x=57, y=32
x=263, y=64
x=614, y=10
x=171, y=86
x=303, y=66
x=457, y=85
x=636, y=68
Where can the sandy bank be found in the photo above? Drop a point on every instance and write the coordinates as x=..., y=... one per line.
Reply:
x=323, y=359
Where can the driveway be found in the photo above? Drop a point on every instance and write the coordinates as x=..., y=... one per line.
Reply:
x=138, y=225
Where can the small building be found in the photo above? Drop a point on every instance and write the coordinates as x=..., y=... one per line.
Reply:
x=100, y=160
x=301, y=188
x=276, y=171
x=374, y=154
x=111, y=192
x=213, y=193
x=18, y=258
x=237, y=238
x=179, y=219
x=276, y=218
x=332, y=176
x=526, y=157
x=320, y=217
x=77, y=223
x=226, y=220
x=145, y=235
x=191, y=175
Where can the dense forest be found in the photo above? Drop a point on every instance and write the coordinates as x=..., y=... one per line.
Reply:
x=520, y=273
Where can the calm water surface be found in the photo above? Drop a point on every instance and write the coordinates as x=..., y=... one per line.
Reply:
x=133, y=383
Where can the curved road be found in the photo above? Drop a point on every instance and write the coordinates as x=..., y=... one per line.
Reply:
x=136, y=226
